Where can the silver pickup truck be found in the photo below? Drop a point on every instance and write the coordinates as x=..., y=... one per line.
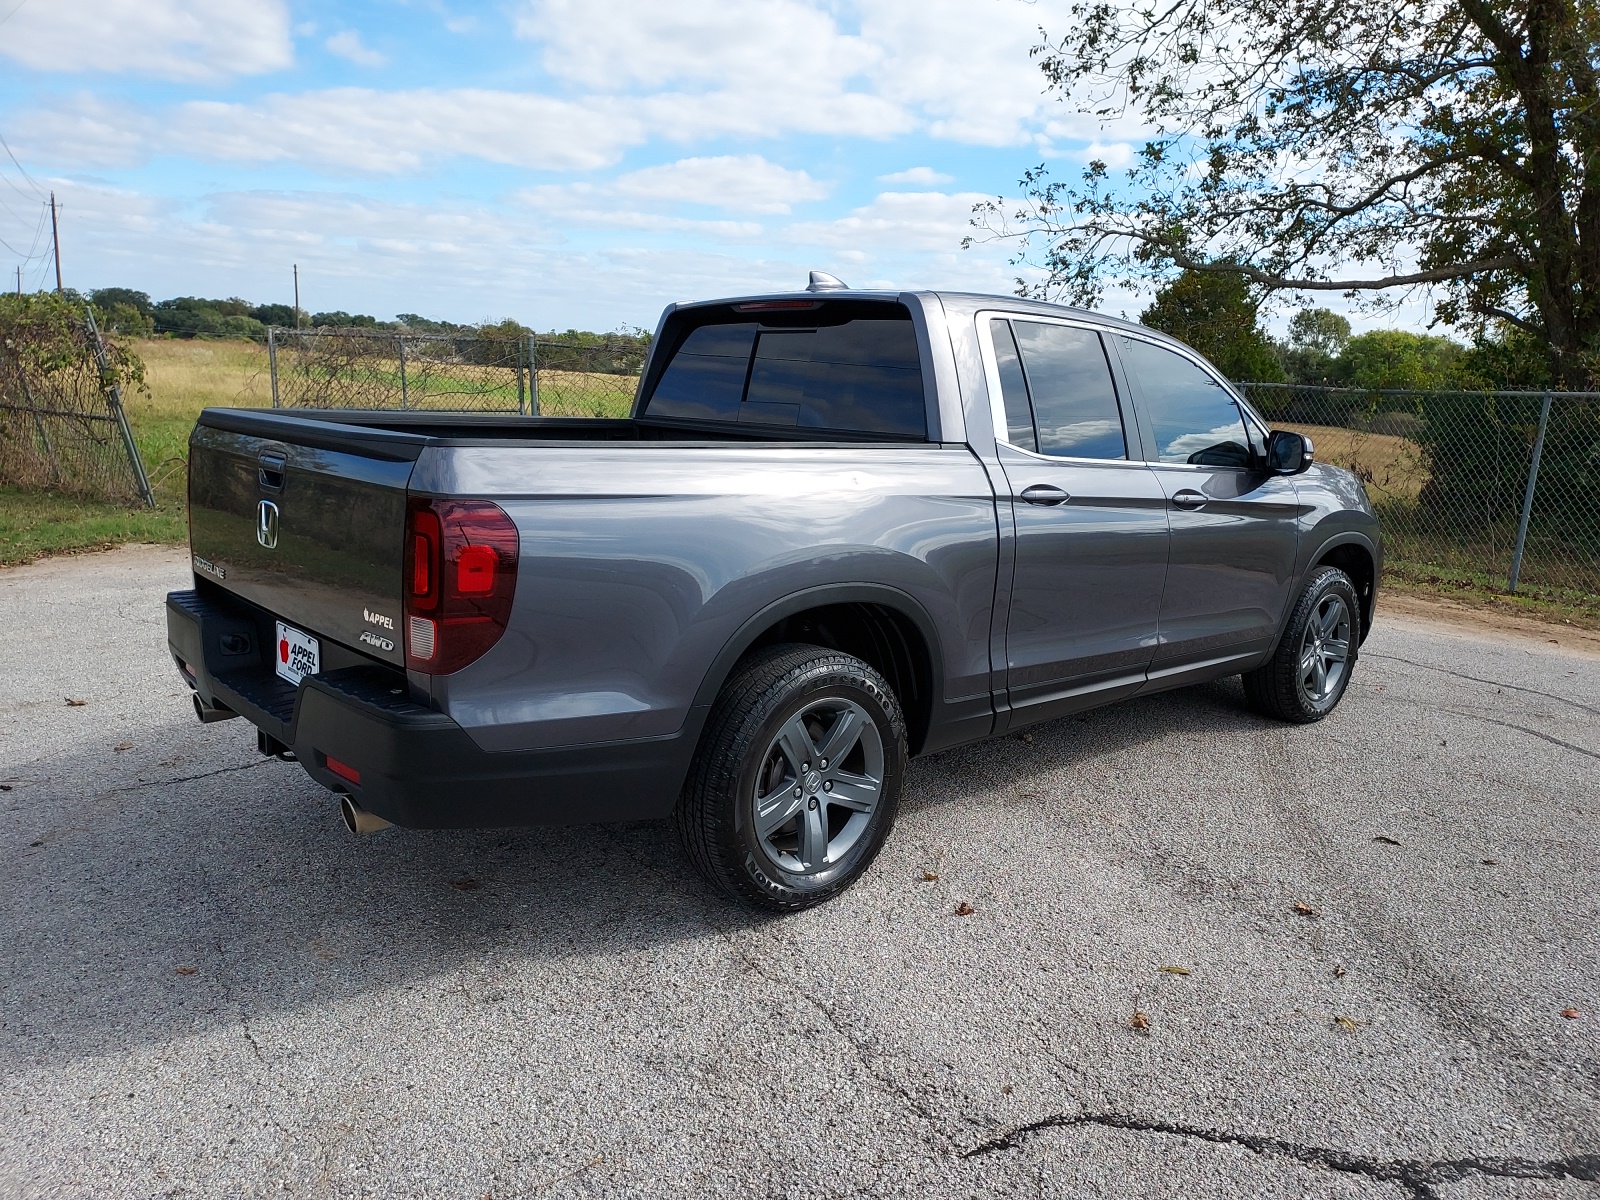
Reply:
x=839, y=529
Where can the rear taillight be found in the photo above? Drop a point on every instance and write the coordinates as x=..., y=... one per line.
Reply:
x=461, y=573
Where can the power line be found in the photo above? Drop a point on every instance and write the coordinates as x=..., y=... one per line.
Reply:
x=33, y=250
x=12, y=156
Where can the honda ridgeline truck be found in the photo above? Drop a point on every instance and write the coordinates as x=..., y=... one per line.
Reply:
x=839, y=529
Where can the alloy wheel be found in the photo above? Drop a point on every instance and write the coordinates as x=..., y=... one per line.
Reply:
x=818, y=785
x=1325, y=650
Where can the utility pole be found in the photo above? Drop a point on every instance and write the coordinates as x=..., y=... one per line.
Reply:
x=55, y=237
x=297, y=295
x=19, y=281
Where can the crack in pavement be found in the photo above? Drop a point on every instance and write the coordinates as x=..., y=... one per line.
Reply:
x=190, y=778
x=1478, y=679
x=887, y=1083
x=1554, y=741
x=1416, y=1177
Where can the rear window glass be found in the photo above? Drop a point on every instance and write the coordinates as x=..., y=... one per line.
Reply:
x=861, y=376
x=705, y=378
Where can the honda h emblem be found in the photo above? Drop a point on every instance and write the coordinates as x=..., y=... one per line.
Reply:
x=267, y=524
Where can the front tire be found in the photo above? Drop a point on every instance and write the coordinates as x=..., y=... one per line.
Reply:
x=797, y=779
x=1307, y=675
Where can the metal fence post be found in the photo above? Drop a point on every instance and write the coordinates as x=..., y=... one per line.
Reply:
x=522, y=396
x=272, y=363
x=114, y=403
x=405, y=395
x=1527, y=496
x=533, y=377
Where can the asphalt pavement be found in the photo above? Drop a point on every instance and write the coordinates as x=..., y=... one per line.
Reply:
x=1207, y=956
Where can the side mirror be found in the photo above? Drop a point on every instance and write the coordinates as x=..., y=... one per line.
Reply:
x=1288, y=453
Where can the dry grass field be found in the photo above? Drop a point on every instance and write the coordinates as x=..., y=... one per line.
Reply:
x=1385, y=463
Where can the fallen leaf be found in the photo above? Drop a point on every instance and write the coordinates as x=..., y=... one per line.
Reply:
x=1025, y=737
x=964, y=909
x=465, y=885
x=1349, y=1023
x=1304, y=909
x=1571, y=1014
x=1490, y=862
x=1006, y=1089
x=1139, y=1021
x=929, y=876
x=1177, y=970
x=71, y=703
x=35, y=843
x=123, y=746
x=1387, y=841
x=1338, y=971
x=188, y=970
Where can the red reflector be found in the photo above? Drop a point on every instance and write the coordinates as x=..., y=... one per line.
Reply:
x=475, y=570
x=421, y=566
x=343, y=770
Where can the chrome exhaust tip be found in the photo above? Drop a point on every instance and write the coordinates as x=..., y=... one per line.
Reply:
x=209, y=713
x=357, y=819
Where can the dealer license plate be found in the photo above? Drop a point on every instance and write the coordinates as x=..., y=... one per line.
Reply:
x=299, y=654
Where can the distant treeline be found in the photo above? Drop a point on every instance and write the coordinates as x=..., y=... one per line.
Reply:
x=1219, y=315
x=134, y=314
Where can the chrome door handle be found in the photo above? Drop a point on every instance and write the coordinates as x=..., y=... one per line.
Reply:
x=1044, y=493
x=1189, y=498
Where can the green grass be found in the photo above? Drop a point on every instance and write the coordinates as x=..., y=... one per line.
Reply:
x=38, y=523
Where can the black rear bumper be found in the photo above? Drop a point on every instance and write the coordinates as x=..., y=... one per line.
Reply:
x=416, y=766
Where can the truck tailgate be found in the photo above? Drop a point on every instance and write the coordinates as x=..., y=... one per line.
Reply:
x=306, y=520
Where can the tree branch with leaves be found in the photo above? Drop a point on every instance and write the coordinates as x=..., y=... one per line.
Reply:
x=1321, y=146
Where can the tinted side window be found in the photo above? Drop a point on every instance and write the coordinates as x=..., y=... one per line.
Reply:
x=1069, y=381
x=862, y=375
x=705, y=378
x=1013, y=389
x=1194, y=419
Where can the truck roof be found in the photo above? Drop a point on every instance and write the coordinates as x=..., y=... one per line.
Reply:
x=953, y=301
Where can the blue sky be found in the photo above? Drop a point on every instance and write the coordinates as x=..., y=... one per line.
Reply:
x=567, y=162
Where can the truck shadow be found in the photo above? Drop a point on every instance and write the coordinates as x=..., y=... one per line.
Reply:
x=140, y=915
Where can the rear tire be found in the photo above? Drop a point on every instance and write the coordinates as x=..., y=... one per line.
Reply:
x=797, y=779
x=1307, y=675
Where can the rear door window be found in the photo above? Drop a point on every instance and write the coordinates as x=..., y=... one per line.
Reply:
x=1058, y=392
x=861, y=376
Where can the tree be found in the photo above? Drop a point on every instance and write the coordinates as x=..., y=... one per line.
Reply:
x=1317, y=336
x=1397, y=358
x=1356, y=146
x=1216, y=314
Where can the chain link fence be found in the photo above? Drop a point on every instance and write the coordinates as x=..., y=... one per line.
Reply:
x=62, y=424
x=1488, y=490
x=514, y=373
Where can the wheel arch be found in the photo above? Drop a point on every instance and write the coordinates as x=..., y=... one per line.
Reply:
x=1356, y=557
x=881, y=625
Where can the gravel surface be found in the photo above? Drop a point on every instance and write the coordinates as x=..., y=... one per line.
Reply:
x=1351, y=943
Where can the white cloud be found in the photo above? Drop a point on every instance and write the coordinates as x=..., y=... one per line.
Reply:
x=1115, y=155
x=348, y=45
x=168, y=39
x=746, y=182
x=957, y=69
x=342, y=130
x=763, y=45
x=925, y=176
x=898, y=221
